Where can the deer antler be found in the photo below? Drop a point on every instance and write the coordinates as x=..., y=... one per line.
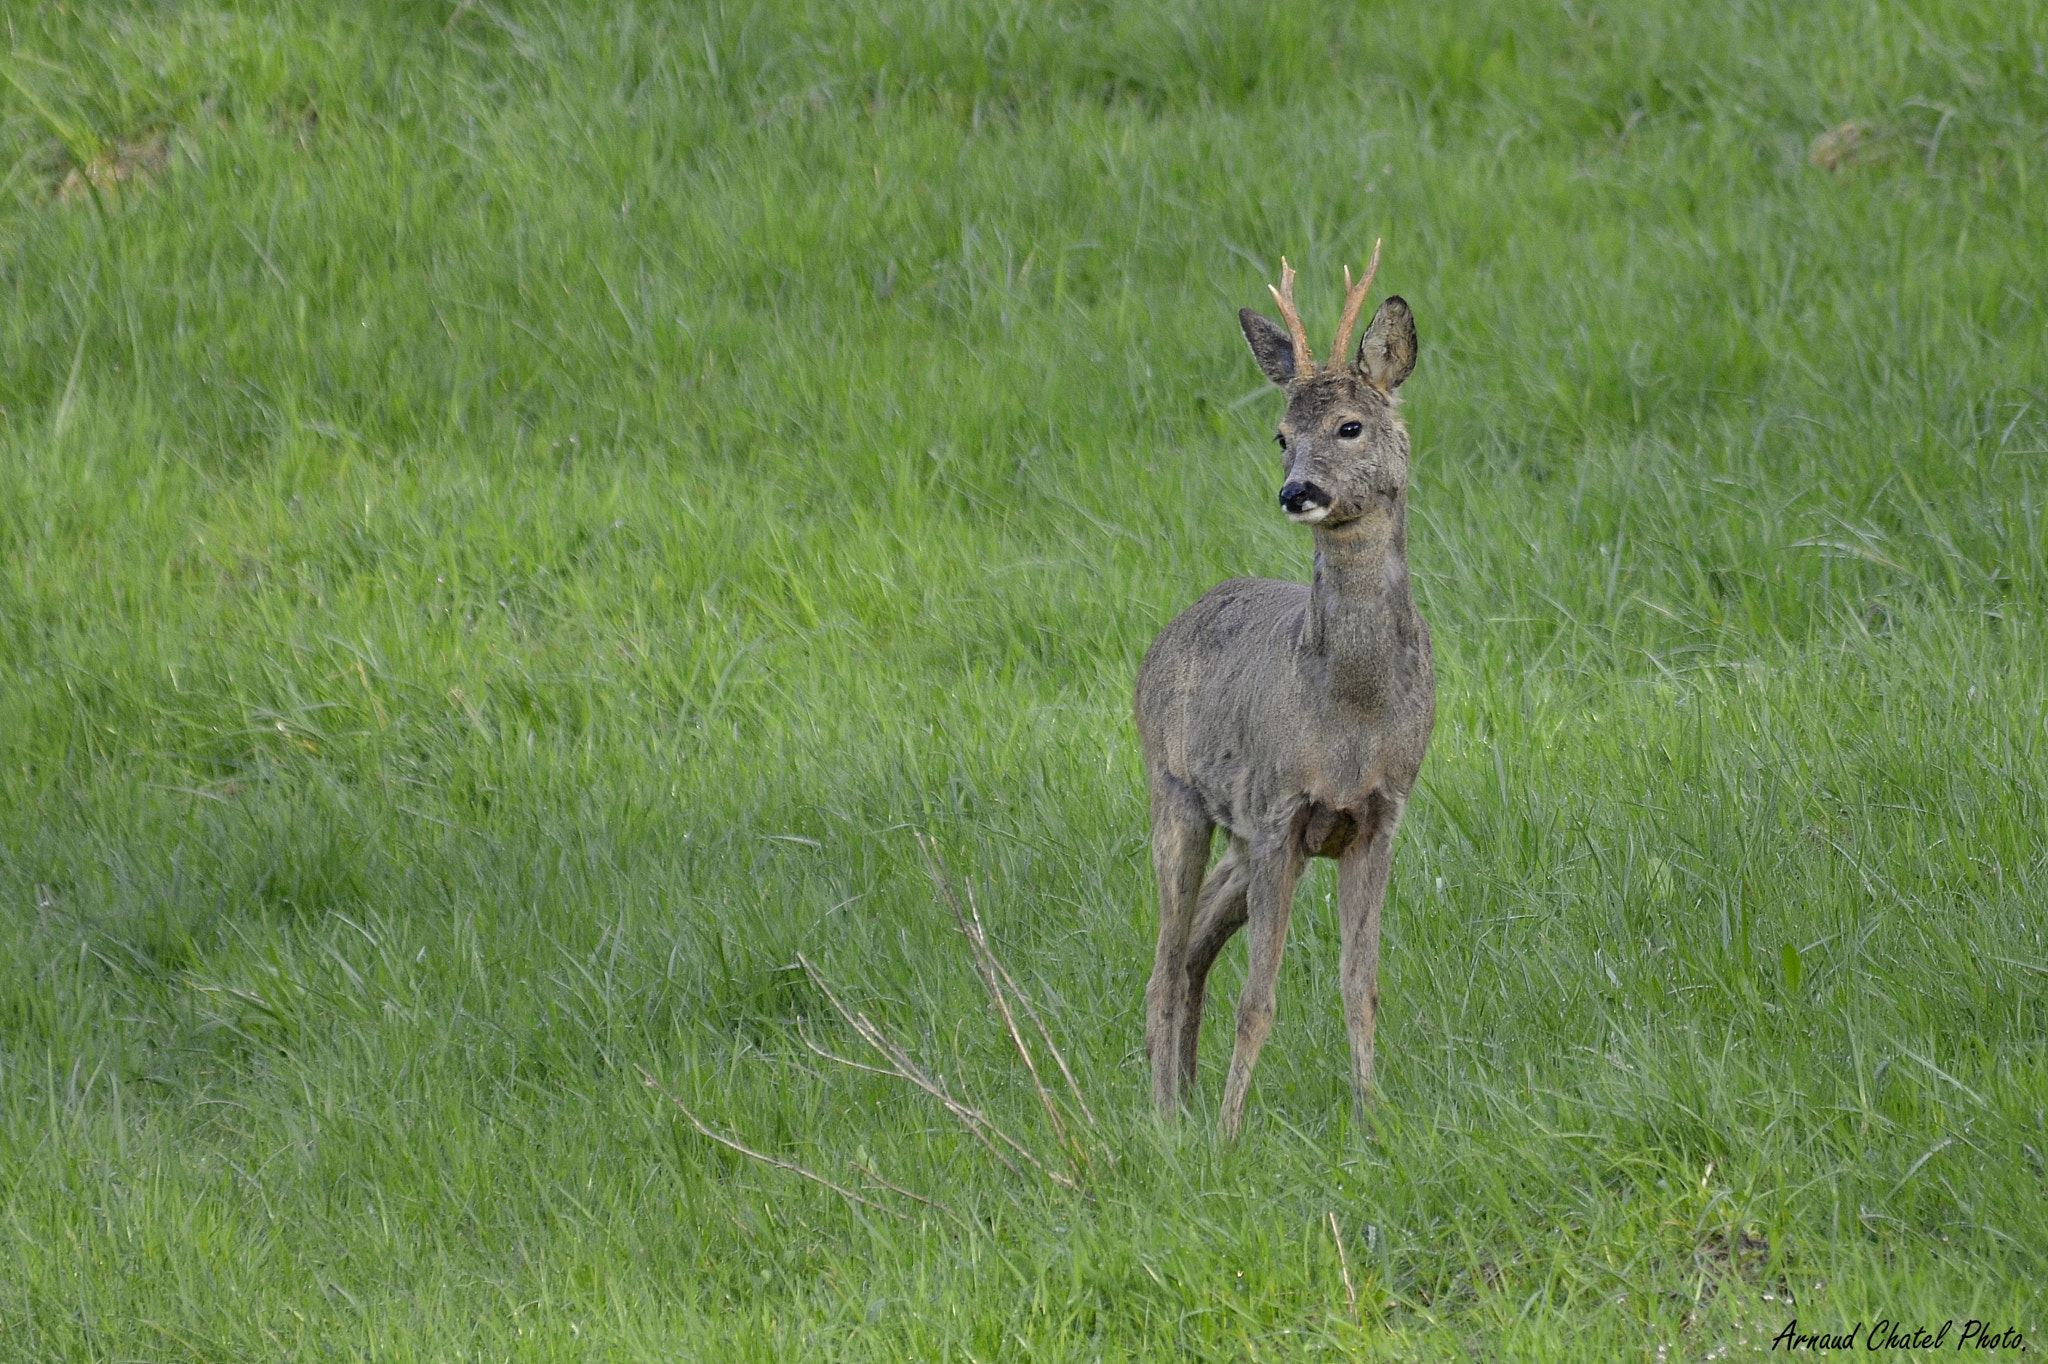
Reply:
x=1304, y=358
x=1354, y=299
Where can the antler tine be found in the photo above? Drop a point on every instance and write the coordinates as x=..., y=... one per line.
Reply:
x=1354, y=299
x=1304, y=358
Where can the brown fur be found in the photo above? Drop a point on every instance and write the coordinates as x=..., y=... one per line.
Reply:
x=1294, y=717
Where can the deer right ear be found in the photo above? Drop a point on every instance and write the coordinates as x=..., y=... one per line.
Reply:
x=1271, y=346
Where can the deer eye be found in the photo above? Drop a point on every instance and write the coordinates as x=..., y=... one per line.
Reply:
x=1350, y=430
x=1282, y=439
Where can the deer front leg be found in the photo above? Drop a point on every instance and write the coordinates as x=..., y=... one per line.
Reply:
x=1269, y=899
x=1219, y=913
x=1180, y=850
x=1361, y=892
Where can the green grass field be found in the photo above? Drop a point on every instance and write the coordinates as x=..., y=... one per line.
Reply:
x=515, y=517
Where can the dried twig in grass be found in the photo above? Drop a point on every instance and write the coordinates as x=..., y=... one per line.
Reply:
x=764, y=1158
x=994, y=976
x=1073, y=1085
x=874, y=1178
x=900, y=1064
x=1344, y=1268
x=978, y=942
x=846, y=1061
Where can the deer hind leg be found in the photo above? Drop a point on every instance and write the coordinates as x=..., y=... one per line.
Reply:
x=1361, y=892
x=1269, y=896
x=1181, y=832
x=1219, y=913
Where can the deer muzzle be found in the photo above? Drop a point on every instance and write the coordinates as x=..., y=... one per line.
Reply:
x=1304, y=503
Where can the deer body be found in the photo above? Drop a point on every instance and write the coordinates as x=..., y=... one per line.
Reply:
x=1293, y=717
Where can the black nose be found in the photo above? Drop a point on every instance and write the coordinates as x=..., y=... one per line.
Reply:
x=1297, y=498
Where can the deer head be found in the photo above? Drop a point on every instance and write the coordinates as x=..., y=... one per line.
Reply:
x=1343, y=448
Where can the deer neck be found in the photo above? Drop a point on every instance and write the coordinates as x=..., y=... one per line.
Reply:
x=1361, y=613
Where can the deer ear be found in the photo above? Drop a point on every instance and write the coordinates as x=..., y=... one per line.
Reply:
x=1270, y=343
x=1386, y=353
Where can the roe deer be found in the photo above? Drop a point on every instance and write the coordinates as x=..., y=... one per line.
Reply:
x=1295, y=717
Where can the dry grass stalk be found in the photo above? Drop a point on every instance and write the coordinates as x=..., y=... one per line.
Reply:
x=874, y=1178
x=1344, y=1268
x=763, y=1157
x=1073, y=1085
x=903, y=1068
x=993, y=975
x=846, y=1061
x=1002, y=1007
x=900, y=1064
x=972, y=1118
x=977, y=936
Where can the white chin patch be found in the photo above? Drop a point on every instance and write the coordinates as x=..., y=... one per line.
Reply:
x=1309, y=517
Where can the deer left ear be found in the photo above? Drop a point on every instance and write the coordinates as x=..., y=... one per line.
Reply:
x=1386, y=353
